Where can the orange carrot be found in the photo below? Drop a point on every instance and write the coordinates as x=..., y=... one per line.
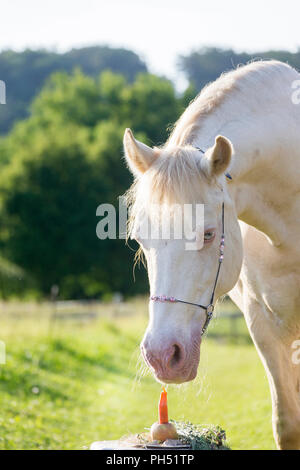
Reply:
x=163, y=408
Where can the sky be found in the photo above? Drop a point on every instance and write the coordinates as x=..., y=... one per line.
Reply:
x=158, y=30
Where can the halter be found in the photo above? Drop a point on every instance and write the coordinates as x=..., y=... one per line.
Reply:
x=209, y=309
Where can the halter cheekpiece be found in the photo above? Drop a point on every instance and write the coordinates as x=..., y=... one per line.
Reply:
x=209, y=309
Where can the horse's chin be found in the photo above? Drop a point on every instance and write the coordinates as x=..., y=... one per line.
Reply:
x=186, y=375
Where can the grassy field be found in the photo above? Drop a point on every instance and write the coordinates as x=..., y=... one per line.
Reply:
x=67, y=383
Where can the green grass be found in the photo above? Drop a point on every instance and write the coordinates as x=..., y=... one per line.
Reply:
x=68, y=384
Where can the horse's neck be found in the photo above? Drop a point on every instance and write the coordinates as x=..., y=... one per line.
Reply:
x=265, y=169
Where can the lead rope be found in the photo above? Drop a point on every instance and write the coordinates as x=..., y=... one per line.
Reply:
x=209, y=309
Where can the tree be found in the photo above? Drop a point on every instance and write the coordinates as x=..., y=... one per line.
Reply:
x=151, y=107
x=64, y=161
x=26, y=72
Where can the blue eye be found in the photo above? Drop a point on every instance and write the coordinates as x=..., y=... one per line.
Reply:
x=209, y=235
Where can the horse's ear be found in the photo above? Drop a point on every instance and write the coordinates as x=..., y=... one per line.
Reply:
x=139, y=156
x=218, y=157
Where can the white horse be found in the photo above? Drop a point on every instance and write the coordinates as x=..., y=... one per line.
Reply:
x=253, y=107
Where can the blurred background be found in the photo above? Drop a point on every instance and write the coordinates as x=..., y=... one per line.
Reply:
x=76, y=75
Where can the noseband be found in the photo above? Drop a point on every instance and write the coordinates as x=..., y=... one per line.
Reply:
x=209, y=309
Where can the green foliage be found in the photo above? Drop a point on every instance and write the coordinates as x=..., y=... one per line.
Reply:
x=12, y=278
x=65, y=160
x=26, y=72
x=149, y=102
x=69, y=100
x=50, y=194
x=201, y=437
x=205, y=65
x=49, y=200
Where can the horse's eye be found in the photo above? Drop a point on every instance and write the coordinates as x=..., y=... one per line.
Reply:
x=209, y=235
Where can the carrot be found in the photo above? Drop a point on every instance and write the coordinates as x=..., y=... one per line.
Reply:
x=163, y=408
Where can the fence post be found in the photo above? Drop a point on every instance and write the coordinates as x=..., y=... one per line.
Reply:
x=53, y=298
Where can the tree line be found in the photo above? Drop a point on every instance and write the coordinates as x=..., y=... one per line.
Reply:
x=25, y=73
x=59, y=164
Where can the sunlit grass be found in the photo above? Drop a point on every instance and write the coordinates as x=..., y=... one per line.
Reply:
x=67, y=384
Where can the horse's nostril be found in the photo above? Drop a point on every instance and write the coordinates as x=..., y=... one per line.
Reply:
x=176, y=356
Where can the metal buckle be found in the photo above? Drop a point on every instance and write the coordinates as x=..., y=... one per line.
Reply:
x=209, y=313
x=210, y=310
